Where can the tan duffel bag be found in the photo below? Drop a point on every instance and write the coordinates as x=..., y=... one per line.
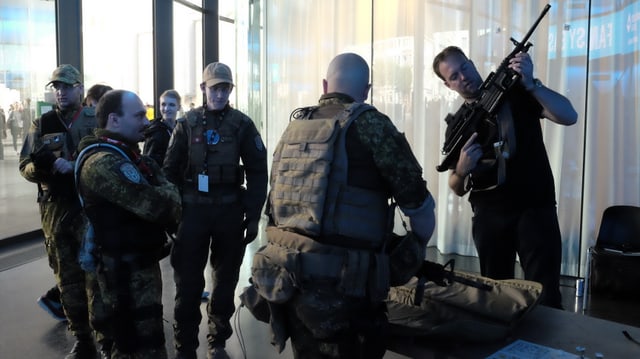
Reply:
x=479, y=313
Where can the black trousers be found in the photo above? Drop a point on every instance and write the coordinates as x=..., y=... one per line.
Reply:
x=532, y=233
x=204, y=228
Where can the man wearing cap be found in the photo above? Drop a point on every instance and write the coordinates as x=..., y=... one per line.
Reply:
x=221, y=202
x=47, y=159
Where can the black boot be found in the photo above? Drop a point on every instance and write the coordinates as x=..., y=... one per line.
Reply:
x=84, y=348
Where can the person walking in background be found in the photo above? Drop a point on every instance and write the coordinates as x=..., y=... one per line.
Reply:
x=27, y=117
x=47, y=159
x=3, y=131
x=512, y=193
x=159, y=131
x=129, y=203
x=219, y=213
x=330, y=221
x=13, y=123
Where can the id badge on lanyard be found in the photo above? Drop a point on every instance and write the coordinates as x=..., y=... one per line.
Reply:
x=203, y=182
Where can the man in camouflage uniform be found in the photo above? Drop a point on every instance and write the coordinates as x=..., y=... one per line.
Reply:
x=47, y=158
x=129, y=203
x=328, y=231
x=219, y=213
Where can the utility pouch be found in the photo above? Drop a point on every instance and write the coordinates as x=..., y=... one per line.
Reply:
x=274, y=272
x=55, y=142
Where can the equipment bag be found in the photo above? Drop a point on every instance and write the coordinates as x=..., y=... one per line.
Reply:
x=461, y=312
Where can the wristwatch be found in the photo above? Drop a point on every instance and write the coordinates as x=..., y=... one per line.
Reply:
x=536, y=84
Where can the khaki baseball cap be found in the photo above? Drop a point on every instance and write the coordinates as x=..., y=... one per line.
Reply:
x=216, y=73
x=67, y=74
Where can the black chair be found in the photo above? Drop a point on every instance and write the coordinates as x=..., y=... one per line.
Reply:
x=614, y=261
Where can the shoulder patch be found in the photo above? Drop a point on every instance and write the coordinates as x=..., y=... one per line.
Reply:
x=130, y=172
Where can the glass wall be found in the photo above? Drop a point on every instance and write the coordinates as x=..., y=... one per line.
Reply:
x=187, y=58
x=27, y=58
x=118, y=55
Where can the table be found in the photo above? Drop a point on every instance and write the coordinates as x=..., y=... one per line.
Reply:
x=546, y=326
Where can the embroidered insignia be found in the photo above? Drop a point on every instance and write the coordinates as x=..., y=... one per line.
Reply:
x=130, y=172
x=259, y=144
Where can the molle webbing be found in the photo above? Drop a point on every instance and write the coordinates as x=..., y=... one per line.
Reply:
x=310, y=193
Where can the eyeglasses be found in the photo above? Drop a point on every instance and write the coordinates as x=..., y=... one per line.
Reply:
x=59, y=86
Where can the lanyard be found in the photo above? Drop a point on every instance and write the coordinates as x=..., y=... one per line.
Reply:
x=75, y=117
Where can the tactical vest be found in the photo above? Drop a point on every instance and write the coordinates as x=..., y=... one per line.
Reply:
x=222, y=158
x=116, y=230
x=63, y=141
x=310, y=193
x=65, y=138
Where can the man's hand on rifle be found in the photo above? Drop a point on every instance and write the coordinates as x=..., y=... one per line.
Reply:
x=469, y=156
x=523, y=65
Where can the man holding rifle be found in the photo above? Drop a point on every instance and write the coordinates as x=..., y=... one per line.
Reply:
x=505, y=166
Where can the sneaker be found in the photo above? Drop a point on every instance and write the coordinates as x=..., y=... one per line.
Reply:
x=82, y=349
x=52, y=307
x=217, y=353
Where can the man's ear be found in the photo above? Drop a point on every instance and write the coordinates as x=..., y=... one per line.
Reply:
x=203, y=87
x=113, y=121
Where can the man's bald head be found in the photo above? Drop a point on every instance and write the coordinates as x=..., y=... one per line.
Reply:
x=348, y=74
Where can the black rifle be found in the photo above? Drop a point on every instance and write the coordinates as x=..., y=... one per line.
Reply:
x=492, y=92
x=442, y=275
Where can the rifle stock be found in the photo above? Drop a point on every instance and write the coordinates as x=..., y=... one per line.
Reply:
x=492, y=93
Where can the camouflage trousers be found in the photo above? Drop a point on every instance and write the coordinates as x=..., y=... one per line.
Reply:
x=132, y=294
x=323, y=323
x=81, y=301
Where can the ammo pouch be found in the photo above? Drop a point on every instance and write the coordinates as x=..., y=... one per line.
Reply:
x=459, y=312
x=225, y=174
x=274, y=272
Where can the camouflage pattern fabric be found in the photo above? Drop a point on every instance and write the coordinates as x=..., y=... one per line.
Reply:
x=136, y=315
x=130, y=283
x=62, y=221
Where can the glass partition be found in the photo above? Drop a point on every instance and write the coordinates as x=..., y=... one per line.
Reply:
x=118, y=45
x=27, y=58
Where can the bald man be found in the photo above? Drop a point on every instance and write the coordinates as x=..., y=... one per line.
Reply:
x=330, y=207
